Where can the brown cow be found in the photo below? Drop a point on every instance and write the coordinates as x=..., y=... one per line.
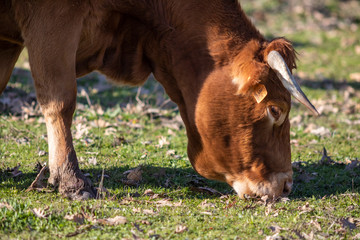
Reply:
x=231, y=85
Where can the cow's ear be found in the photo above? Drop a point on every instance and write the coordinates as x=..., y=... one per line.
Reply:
x=248, y=76
x=248, y=69
x=286, y=50
x=259, y=92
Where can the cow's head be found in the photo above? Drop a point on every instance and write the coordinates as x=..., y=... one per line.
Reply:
x=242, y=117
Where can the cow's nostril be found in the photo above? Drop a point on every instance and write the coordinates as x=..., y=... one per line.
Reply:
x=287, y=187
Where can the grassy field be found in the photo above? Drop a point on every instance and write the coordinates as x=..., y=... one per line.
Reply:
x=128, y=132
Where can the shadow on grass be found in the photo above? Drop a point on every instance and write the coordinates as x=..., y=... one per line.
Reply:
x=311, y=180
x=167, y=179
x=319, y=180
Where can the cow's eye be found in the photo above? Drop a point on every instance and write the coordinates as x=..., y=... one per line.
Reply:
x=275, y=112
x=276, y=115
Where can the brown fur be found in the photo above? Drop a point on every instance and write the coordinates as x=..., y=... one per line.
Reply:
x=194, y=48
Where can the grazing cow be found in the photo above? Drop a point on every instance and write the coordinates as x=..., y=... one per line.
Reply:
x=232, y=86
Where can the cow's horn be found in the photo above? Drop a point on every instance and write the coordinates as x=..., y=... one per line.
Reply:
x=277, y=63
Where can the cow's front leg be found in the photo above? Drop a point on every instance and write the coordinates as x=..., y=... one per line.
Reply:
x=57, y=97
x=52, y=46
x=63, y=164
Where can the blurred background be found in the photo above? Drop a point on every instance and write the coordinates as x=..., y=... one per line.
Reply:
x=325, y=33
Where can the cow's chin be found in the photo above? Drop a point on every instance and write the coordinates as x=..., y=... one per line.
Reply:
x=276, y=185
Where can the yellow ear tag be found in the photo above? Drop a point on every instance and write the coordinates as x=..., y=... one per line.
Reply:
x=259, y=92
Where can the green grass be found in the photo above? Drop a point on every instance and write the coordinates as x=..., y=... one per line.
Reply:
x=324, y=203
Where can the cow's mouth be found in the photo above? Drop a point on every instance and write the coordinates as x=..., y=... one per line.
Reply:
x=276, y=185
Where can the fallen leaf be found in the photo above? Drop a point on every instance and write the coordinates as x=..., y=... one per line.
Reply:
x=352, y=165
x=180, y=229
x=170, y=152
x=40, y=213
x=308, y=237
x=284, y=199
x=348, y=223
x=81, y=131
x=321, y=131
x=171, y=132
x=112, y=221
x=15, y=172
x=92, y=161
x=265, y=199
x=146, y=143
x=23, y=141
x=149, y=211
x=162, y=142
x=39, y=183
x=110, y=131
x=206, y=213
x=294, y=142
x=178, y=204
x=276, y=228
x=305, y=209
x=355, y=76
x=6, y=205
x=99, y=123
x=167, y=202
x=357, y=51
x=77, y=217
x=357, y=236
x=154, y=196
x=134, y=174
x=42, y=153
x=144, y=211
x=316, y=224
x=270, y=210
x=175, y=123
x=144, y=222
x=205, y=204
x=149, y=192
x=136, y=210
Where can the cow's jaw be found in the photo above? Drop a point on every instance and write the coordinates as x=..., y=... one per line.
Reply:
x=277, y=185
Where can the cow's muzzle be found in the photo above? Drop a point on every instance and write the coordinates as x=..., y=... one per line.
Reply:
x=276, y=185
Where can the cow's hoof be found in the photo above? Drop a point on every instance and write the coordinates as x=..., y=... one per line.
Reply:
x=82, y=195
x=77, y=187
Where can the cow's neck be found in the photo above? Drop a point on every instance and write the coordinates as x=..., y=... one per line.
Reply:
x=192, y=42
x=182, y=42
